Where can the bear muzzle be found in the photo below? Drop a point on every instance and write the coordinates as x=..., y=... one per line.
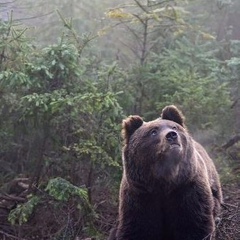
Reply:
x=173, y=139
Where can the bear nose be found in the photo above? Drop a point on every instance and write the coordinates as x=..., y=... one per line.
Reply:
x=171, y=136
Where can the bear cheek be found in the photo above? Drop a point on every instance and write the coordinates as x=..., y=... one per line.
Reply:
x=136, y=164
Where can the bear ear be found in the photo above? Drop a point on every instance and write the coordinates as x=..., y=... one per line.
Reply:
x=172, y=113
x=130, y=125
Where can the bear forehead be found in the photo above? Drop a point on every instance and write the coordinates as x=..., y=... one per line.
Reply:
x=158, y=124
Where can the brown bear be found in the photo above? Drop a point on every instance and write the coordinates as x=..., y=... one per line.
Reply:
x=170, y=189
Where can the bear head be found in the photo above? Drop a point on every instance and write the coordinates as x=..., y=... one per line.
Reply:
x=156, y=151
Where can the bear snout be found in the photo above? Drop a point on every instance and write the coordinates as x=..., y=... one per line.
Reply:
x=171, y=137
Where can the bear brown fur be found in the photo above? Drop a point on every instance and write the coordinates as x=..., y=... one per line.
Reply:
x=170, y=189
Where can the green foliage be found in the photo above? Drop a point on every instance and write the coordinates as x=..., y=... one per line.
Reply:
x=62, y=190
x=192, y=72
x=13, y=44
x=233, y=63
x=189, y=75
x=22, y=212
x=57, y=116
x=52, y=88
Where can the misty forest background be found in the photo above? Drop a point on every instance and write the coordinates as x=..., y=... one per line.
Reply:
x=70, y=71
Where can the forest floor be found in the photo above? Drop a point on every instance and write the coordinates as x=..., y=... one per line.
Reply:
x=45, y=218
x=228, y=226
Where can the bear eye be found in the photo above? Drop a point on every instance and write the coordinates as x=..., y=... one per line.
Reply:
x=174, y=128
x=153, y=132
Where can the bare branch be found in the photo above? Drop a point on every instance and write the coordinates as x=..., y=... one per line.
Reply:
x=141, y=6
x=231, y=142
